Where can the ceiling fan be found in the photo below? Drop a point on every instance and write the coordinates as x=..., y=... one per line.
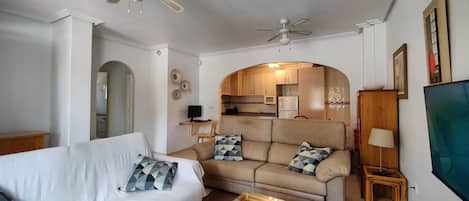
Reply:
x=173, y=5
x=287, y=28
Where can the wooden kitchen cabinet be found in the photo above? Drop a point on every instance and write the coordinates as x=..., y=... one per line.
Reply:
x=226, y=88
x=311, y=90
x=269, y=84
x=259, y=84
x=231, y=85
x=288, y=76
x=248, y=83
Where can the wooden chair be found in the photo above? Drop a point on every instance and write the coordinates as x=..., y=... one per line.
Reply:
x=210, y=136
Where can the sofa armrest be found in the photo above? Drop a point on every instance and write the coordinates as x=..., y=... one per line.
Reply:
x=188, y=153
x=338, y=164
x=204, y=150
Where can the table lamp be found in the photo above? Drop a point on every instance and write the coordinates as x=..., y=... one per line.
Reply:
x=381, y=138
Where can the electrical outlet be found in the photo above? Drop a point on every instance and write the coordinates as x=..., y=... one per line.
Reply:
x=414, y=188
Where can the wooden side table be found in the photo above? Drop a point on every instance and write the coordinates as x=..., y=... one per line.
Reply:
x=391, y=186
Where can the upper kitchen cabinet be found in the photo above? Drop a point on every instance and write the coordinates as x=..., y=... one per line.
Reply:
x=258, y=82
x=248, y=83
x=231, y=85
x=226, y=88
x=286, y=76
x=269, y=85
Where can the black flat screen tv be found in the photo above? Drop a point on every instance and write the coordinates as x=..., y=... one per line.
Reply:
x=448, y=128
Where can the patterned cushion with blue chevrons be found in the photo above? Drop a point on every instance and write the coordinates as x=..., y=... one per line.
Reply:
x=228, y=147
x=308, y=158
x=152, y=174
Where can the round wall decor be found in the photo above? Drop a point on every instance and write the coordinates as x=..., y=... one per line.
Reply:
x=177, y=94
x=185, y=85
x=175, y=76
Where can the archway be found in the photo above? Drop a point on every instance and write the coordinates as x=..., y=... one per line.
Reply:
x=288, y=90
x=114, y=100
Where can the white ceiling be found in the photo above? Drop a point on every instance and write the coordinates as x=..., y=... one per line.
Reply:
x=210, y=25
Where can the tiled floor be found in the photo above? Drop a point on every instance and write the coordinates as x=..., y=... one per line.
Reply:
x=352, y=191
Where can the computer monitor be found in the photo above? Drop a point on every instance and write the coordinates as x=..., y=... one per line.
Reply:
x=194, y=111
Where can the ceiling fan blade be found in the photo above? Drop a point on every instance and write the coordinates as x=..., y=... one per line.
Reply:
x=301, y=32
x=300, y=21
x=274, y=37
x=175, y=6
x=264, y=29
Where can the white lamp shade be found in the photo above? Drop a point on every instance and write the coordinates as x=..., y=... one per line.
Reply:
x=381, y=138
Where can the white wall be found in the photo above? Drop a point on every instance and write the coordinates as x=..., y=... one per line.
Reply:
x=343, y=52
x=405, y=25
x=25, y=74
x=139, y=62
x=178, y=136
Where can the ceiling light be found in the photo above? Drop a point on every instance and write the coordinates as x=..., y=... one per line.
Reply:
x=272, y=65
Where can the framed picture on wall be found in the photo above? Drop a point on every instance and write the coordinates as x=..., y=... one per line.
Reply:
x=437, y=44
x=400, y=71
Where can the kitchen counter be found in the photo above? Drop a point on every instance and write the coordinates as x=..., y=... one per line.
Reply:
x=253, y=114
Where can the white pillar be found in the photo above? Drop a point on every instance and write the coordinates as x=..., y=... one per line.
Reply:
x=72, y=37
x=159, y=78
x=374, y=70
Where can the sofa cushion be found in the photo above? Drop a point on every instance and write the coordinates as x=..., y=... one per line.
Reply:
x=240, y=170
x=253, y=150
x=228, y=148
x=152, y=174
x=317, y=133
x=251, y=128
x=282, y=153
x=308, y=158
x=279, y=176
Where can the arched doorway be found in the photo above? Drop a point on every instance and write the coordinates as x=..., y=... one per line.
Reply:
x=288, y=90
x=114, y=100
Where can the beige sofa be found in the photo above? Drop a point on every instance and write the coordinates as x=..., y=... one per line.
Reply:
x=268, y=146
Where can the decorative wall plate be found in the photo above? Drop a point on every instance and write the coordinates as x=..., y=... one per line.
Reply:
x=175, y=76
x=185, y=85
x=177, y=94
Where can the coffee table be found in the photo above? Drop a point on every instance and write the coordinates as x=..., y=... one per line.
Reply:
x=249, y=196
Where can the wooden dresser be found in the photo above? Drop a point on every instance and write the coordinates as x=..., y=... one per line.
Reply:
x=22, y=141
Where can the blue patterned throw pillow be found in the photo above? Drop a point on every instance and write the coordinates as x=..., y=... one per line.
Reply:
x=152, y=174
x=308, y=158
x=228, y=147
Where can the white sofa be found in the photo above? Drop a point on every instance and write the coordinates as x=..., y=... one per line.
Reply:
x=92, y=172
